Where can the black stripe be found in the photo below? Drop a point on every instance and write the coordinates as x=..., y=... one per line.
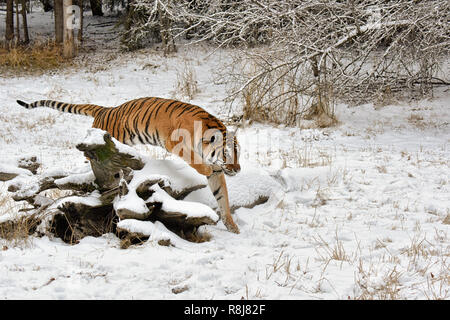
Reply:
x=153, y=108
x=128, y=132
x=106, y=119
x=147, y=123
x=216, y=192
x=146, y=131
x=132, y=135
x=220, y=197
x=152, y=139
x=89, y=110
x=130, y=106
x=97, y=110
x=121, y=138
x=167, y=108
x=140, y=138
x=146, y=138
x=211, y=127
x=179, y=115
x=198, y=112
x=196, y=108
x=114, y=124
x=138, y=106
x=136, y=119
x=177, y=107
x=146, y=111
x=157, y=108
x=157, y=137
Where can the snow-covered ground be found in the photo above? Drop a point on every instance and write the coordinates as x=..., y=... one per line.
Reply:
x=362, y=211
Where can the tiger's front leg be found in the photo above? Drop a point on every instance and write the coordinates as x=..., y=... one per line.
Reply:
x=218, y=186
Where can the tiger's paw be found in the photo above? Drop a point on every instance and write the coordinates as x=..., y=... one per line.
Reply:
x=232, y=227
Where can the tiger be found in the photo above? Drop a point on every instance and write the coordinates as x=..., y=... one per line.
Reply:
x=213, y=151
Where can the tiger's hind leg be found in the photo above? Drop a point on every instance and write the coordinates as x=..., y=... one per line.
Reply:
x=218, y=186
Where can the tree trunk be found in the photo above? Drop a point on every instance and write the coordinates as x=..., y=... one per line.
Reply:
x=95, y=206
x=69, y=39
x=9, y=20
x=80, y=31
x=47, y=5
x=59, y=21
x=166, y=32
x=96, y=7
x=17, y=21
x=24, y=21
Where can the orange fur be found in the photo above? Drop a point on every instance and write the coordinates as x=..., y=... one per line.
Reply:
x=153, y=121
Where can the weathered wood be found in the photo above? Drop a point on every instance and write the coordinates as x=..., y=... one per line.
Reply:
x=106, y=196
x=76, y=221
x=30, y=164
x=107, y=162
x=47, y=183
x=6, y=176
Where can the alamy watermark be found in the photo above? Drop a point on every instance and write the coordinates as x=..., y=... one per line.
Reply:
x=210, y=146
x=72, y=17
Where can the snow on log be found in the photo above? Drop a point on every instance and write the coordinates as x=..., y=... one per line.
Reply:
x=181, y=212
x=119, y=185
x=123, y=193
x=9, y=172
x=247, y=189
x=107, y=160
x=183, y=178
x=136, y=231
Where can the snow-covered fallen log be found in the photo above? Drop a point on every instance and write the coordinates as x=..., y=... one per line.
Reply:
x=123, y=193
x=24, y=166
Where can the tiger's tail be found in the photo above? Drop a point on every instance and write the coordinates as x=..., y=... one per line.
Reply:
x=83, y=109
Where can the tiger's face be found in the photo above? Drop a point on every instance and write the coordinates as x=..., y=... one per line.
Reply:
x=221, y=148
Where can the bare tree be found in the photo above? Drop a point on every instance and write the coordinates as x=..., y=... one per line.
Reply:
x=301, y=54
x=17, y=22
x=47, y=5
x=80, y=30
x=96, y=7
x=59, y=21
x=150, y=20
x=69, y=39
x=9, y=35
x=24, y=21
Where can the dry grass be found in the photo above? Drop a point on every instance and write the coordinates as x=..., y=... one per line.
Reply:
x=329, y=252
x=196, y=236
x=18, y=231
x=446, y=219
x=387, y=289
x=294, y=111
x=187, y=85
x=40, y=57
x=287, y=101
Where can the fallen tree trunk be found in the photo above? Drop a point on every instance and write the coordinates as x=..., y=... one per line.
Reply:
x=95, y=201
x=119, y=192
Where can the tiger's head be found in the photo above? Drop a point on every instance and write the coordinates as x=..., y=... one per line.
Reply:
x=221, y=148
